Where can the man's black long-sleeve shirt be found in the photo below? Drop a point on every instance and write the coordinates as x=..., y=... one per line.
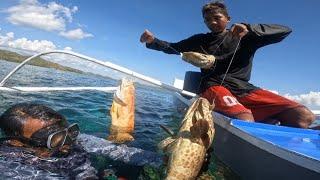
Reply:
x=222, y=46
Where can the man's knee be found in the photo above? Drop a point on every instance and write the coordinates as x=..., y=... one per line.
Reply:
x=245, y=116
x=300, y=117
x=306, y=117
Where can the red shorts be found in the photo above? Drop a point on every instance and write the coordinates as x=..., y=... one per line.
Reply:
x=262, y=104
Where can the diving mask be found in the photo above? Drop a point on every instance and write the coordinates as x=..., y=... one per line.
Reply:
x=54, y=137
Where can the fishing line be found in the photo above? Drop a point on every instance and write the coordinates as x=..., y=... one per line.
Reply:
x=215, y=63
x=234, y=53
x=205, y=52
x=226, y=70
x=168, y=46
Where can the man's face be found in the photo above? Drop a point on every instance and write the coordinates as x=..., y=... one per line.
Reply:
x=216, y=22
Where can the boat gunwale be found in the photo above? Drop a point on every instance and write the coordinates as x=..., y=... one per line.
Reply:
x=291, y=156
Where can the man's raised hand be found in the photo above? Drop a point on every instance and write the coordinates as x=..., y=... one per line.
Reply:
x=146, y=37
x=239, y=30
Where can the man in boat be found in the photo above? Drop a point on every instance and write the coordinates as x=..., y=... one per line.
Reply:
x=226, y=82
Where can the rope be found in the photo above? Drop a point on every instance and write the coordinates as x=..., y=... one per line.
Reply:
x=234, y=53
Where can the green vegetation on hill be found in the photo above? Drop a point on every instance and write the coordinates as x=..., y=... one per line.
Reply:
x=15, y=57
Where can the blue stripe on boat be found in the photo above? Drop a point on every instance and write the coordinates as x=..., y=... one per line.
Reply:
x=302, y=141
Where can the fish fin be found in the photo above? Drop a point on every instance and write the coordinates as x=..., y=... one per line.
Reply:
x=166, y=144
x=167, y=130
x=170, y=146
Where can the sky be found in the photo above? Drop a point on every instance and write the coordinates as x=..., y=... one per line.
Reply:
x=110, y=30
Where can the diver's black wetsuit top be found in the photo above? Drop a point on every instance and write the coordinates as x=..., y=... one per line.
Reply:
x=222, y=46
x=18, y=163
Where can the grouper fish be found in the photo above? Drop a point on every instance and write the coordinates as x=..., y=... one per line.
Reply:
x=187, y=149
x=122, y=113
x=204, y=61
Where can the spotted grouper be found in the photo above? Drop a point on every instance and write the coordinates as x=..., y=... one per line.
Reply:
x=204, y=61
x=122, y=113
x=187, y=149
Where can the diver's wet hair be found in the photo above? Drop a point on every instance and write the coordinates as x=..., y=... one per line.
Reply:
x=13, y=119
x=215, y=7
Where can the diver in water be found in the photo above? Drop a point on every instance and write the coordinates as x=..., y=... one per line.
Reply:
x=42, y=141
x=39, y=143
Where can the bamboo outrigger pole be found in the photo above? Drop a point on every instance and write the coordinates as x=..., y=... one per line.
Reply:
x=105, y=64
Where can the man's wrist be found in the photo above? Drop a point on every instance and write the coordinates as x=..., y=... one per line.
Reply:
x=151, y=44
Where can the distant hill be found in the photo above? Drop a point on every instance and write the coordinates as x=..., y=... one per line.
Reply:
x=15, y=57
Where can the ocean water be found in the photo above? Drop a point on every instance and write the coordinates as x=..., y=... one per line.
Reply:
x=90, y=109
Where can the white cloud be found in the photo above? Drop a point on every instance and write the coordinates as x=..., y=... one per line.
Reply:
x=4, y=40
x=35, y=45
x=276, y=92
x=75, y=34
x=67, y=49
x=52, y=17
x=311, y=100
x=9, y=40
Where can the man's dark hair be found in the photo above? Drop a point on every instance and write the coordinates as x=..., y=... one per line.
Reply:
x=215, y=7
x=13, y=119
